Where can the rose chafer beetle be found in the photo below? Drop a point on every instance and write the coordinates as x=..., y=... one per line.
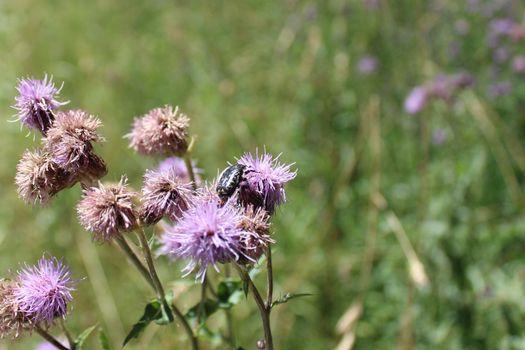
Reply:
x=229, y=181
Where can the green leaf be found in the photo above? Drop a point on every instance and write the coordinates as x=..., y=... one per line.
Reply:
x=79, y=342
x=166, y=315
x=201, y=311
x=159, y=312
x=289, y=296
x=229, y=293
x=103, y=339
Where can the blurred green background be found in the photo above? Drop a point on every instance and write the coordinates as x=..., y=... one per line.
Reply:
x=407, y=240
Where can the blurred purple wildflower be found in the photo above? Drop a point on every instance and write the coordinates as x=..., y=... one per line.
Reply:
x=500, y=88
x=44, y=290
x=178, y=166
x=518, y=64
x=416, y=100
x=48, y=346
x=439, y=136
x=206, y=235
x=36, y=102
x=462, y=26
x=107, y=210
x=367, y=65
x=501, y=55
x=265, y=179
x=164, y=194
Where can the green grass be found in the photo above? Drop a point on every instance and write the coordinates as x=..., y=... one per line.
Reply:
x=273, y=73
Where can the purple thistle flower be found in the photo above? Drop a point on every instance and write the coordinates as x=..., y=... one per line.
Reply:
x=36, y=102
x=164, y=194
x=264, y=181
x=206, y=235
x=416, y=100
x=69, y=141
x=162, y=131
x=38, y=178
x=44, y=290
x=178, y=165
x=107, y=210
x=12, y=321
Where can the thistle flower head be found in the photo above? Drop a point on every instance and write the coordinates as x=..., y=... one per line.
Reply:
x=178, y=166
x=256, y=221
x=38, y=178
x=164, y=194
x=265, y=178
x=12, y=320
x=44, y=290
x=36, y=102
x=69, y=143
x=107, y=210
x=161, y=131
x=206, y=235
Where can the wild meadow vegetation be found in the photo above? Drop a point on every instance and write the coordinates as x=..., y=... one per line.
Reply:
x=404, y=120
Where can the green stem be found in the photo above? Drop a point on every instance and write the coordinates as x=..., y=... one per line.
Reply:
x=269, y=279
x=263, y=309
x=191, y=173
x=149, y=262
x=186, y=325
x=160, y=290
x=70, y=339
x=44, y=334
x=121, y=241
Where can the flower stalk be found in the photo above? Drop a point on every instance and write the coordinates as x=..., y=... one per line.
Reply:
x=264, y=310
x=52, y=340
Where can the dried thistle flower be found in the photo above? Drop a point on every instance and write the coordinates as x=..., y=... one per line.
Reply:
x=162, y=131
x=178, y=165
x=107, y=210
x=254, y=245
x=206, y=235
x=44, y=290
x=164, y=194
x=264, y=181
x=69, y=141
x=36, y=102
x=38, y=178
x=12, y=320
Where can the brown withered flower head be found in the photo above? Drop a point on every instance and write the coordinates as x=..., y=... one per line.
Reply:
x=107, y=210
x=38, y=178
x=69, y=141
x=12, y=320
x=164, y=194
x=162, y=131
x=257, y=222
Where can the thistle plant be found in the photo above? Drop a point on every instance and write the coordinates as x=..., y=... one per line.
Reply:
x=223, y=223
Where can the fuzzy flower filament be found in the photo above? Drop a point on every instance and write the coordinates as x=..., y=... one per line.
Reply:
x=36, y=103
x=264, y=182
x=69, y=141
x=107, y=210
x=206, y=235
x=164, y=194
x=162, y=131
x=44, y=290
